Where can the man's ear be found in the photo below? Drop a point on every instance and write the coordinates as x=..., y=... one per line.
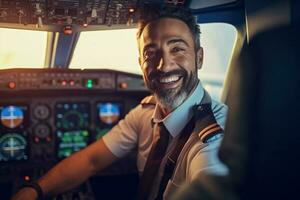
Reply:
x=199, y=58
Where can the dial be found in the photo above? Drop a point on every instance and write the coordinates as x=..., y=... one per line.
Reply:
x=109, y=113
x=41, y=112
x=13, y=147
x=42, y=131
x=12, y=116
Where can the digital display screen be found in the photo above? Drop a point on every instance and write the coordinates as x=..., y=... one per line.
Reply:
x=13, y=147
x=13, y=116
x=109, y=113
x=72, y=116
x=71, y=142
x=13, y=143
x=72, y=121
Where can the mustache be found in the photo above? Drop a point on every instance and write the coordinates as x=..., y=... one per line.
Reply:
x=159, y=74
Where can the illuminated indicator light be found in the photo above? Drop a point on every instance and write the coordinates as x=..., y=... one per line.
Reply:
x=27, y=178
x=85, y=133
x=89, y=83
x=72, y=83
x=36, y=139
x=48, y=139
x=131, y=10
x=123, y=85
x=12, y=85
x=85, y=25
x=64, y=83
x=68, y=30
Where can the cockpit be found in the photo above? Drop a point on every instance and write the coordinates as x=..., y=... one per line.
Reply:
x=69, y=72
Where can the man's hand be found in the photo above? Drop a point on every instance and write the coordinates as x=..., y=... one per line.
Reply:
x=71, y=172
x=26, y=193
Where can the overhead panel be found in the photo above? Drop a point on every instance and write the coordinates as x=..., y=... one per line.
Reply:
x=67, y=12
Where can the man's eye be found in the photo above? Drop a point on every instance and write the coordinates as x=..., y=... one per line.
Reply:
x=149, y=54
x=176, y=49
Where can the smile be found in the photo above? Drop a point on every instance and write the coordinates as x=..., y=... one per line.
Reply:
x=169, y=82
x=169, y=79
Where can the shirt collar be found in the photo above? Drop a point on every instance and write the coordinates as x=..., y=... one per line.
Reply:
x=177, y=119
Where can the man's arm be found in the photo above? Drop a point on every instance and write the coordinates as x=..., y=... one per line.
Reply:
x=206, y=161
x=72, y=171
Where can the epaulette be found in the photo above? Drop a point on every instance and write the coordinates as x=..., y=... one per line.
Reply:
x=149, y=100
x=211, y=133
x=206, y=124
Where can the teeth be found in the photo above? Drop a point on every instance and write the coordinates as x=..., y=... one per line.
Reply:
x=169, y=79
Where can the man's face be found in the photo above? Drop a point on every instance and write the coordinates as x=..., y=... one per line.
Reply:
x=169, y=61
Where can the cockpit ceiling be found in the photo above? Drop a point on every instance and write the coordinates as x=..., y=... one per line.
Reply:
x=78, y=15
x=202, y=4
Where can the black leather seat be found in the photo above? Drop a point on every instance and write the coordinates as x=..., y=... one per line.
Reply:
x=263, y=135
x=261, y=145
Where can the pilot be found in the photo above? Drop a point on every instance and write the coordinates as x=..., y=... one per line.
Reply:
x=177, y=131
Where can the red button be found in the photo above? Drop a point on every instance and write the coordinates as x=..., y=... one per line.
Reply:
x=27, y=178
x=12, y=85
x=72, y=82
x=123, y=85
x=64, y=83
x=36, y=139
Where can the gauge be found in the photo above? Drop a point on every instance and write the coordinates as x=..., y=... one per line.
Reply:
x=13, y=147
x=42, y=131
x=12, y=116
x=71, y=141
x=109, y=113
x=73, y=120
x=72, y=116
x=41, y=112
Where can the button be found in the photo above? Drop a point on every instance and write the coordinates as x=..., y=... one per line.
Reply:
x=123, y=85
x=27, y=178
x=72, y=83
x=64, y=83
x=36, y=140
x=11, y=85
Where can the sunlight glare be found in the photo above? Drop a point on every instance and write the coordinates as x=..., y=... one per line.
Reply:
x=22, y=48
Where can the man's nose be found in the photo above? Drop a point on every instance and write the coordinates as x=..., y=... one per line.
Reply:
x=164, y=62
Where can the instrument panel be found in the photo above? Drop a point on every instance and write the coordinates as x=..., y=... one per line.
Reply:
x=49, y=114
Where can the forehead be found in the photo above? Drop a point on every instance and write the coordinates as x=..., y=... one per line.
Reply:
x=163, y=29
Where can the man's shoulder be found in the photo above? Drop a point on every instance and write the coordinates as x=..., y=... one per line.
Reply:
x=148, y=101
x=218, y=107
x=146, y=106
x=220, y=111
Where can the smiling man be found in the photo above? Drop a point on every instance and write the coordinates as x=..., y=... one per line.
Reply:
x=177, y=131
x=169, y=60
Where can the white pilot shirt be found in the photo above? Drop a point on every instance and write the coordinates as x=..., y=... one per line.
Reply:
x=136, y=130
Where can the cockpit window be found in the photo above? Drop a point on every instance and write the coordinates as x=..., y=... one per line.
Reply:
x=113, y=49
x=117, y=49
x=217, y=40
x=22, y=48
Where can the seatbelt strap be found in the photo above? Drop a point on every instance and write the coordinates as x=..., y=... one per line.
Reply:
x=206, y=125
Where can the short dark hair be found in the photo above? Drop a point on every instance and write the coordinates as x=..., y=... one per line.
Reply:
x=153, y=12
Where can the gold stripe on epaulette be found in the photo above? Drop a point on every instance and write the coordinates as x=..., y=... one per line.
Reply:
x=213, y=128
x=208, y=127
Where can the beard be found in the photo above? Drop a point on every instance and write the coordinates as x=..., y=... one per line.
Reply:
x=171, y=98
